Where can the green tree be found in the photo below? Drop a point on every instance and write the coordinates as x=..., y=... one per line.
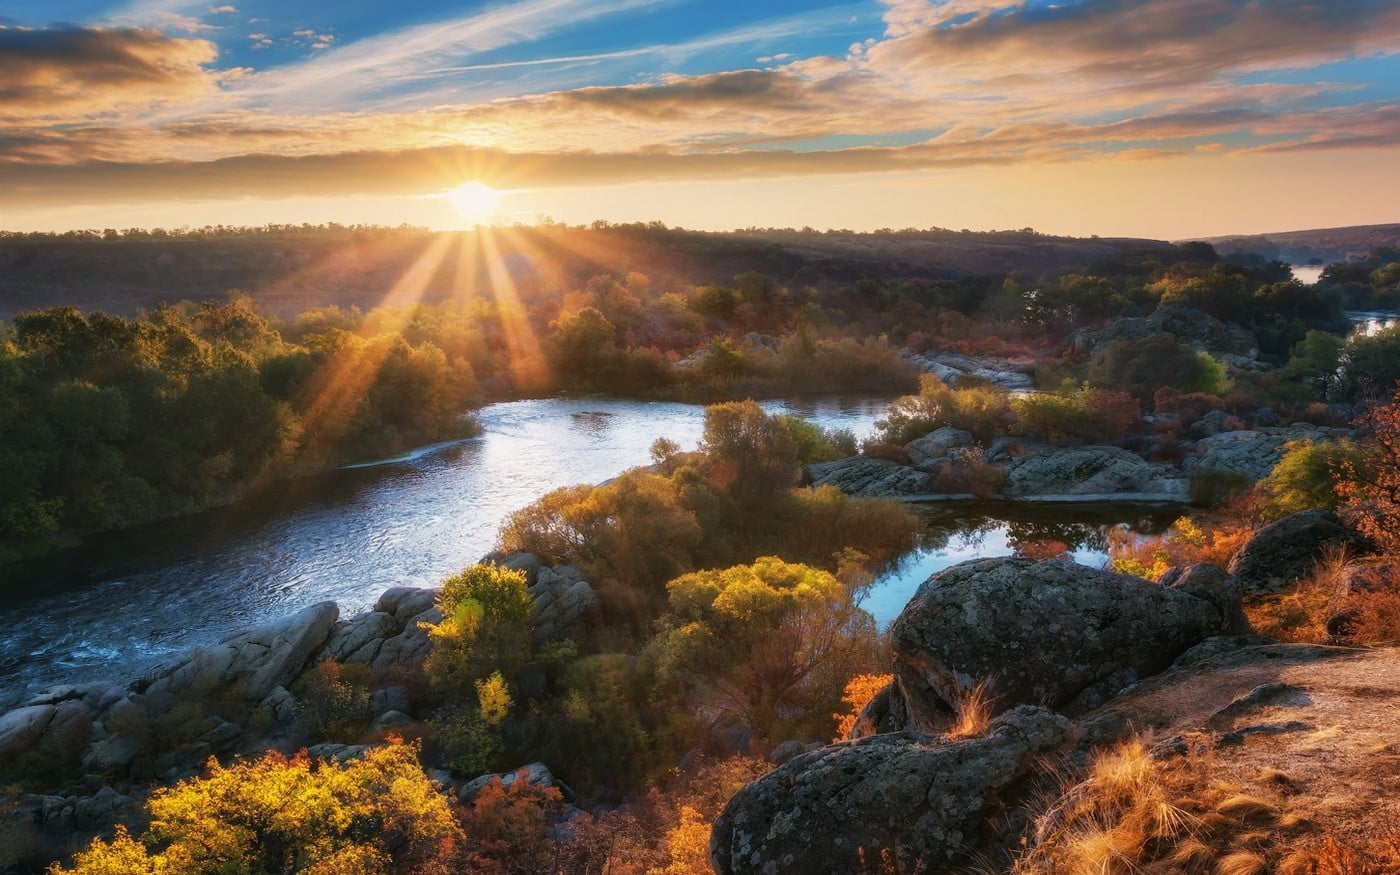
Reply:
x=772, y=643
x=485, y=627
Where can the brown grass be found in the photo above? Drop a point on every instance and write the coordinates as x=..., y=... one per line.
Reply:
x=1131, y=813
x=1301, y=615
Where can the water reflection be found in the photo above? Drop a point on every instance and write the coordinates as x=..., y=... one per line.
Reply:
x=959, y=532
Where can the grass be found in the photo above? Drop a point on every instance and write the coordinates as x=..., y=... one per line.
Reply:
x=974, y=712
x=1131, y=814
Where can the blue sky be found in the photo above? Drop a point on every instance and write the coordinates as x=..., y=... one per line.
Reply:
x=1065, y=115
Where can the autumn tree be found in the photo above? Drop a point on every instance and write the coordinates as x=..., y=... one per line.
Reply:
x=772, y=643
x=1375, y=489
x=485, y=627
x=275, y=815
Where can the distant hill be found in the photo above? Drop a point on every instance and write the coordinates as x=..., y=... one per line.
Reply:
x=1316, y=246
x=288, y=269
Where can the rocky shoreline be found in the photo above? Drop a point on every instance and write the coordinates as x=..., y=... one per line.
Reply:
x=1034, y=471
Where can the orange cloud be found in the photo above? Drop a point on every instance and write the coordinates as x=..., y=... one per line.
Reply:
x=64, y=74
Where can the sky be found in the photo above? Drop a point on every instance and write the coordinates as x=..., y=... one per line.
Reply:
x=1156, y=118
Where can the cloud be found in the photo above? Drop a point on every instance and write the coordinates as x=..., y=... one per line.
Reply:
x=1116, y=42
x=66, y=74
x=223, y=10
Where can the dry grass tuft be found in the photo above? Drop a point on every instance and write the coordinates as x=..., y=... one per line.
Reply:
x=1249, y=810
x=1242, y=863
x=974, y=710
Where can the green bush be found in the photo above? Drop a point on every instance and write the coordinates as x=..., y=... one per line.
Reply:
x=984, y=412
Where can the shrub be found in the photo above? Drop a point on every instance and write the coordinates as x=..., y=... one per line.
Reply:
x=1306, y=476
x=1144, y=366
x=485, y=627
x=333, y=701
x=1083, y=414
x=858, y=693
x=379, y=814
x=983, y=412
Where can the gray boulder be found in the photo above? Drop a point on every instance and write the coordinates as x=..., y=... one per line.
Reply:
x=1252, y=452
x=921, y=803
x=1048, y=633
x=22, y=728
x=562, y=600
x=938, y=445
x=869, y=477
x=260, y=659
x=1286, y=550
x=536, y=773
x=1093, y=470
x=1215, y=585
x=954, y=369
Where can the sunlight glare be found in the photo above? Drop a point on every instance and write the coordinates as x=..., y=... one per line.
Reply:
x=474, y=201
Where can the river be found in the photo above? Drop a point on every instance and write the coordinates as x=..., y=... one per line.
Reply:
x=125, y=603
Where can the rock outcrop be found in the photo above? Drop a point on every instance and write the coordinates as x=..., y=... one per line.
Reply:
x=1286, y=550
x=1092, y=470
x=870, y=477
x=955, y=369
x=1191, y=327
x=1252, y=452
x=562, y=602
x=1049, y=633
x=938, y=445
x=917, y=802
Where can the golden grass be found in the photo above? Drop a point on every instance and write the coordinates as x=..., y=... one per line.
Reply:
x=1130, y=813
x=974, y=712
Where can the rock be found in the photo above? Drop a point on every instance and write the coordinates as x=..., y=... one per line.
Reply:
x=1218, y=645
x=1037, y=633
x=1213, y=423
x=562, y=600
x=390, y=698
x=955, y=369
x=1215, y=585
x=281, y=704
x=786, y=751
x=67, y=733
x=22, y=728
x=223, y=737
x=536, y=773
x=924, y=801
x=885, y=712
x=358, y=639
x=409, y=647
x=259, y=659
x=1093, y=470
x=528, y=563
x=391, y=720
x=342, y=752
x=869, y=477
x=1007, y=448
x=1252, y=452
x=113, y=755
x=937, y=445
x=102, y=809
x=1191, y=327
x=1286, y=550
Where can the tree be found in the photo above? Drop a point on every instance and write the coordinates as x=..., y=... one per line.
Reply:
x=275, y=815
x=1315, y=361
x=1142, y=367
x=485, y=627
x=770, y=643
x=748, y=454
x=1376, y=491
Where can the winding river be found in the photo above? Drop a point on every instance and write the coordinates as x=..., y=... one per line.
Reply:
x=124, y=603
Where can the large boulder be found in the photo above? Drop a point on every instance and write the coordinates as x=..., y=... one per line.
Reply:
x=1049, y=633
x=1252, y=452
x=21, y=729
x=562, y=601
x=869, y=477
x=259, y=659
x=1093, y=470
x=1215, y=585
x=938, y=445
x=917, y=802
x=1286, y=550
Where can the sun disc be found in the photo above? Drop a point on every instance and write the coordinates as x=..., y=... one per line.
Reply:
x=474, y=200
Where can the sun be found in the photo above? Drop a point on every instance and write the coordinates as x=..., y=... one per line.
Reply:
x=474, y=200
